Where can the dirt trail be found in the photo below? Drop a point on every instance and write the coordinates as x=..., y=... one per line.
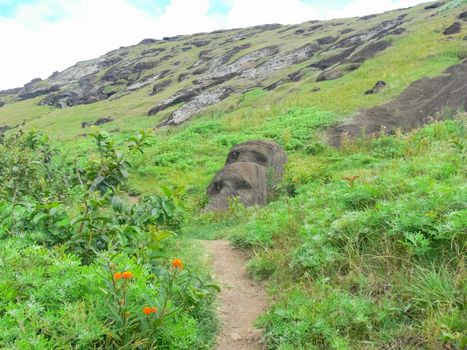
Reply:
x=241, y=299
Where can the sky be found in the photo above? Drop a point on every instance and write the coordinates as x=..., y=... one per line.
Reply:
x=38, y=37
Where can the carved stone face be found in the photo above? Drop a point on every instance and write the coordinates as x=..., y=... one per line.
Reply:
x=245, y=175
x=242, y=180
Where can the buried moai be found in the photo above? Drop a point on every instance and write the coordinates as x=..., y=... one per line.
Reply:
x=252, y=169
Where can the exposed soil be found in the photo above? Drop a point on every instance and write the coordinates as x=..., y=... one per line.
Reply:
x=422, y=102
x=241, y=299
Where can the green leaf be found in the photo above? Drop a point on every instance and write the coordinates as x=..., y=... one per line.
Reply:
x=38, y=217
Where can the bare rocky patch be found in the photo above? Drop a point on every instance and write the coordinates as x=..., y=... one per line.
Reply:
x=422, y=102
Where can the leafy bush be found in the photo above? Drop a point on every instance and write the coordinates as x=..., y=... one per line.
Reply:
x=64, y=285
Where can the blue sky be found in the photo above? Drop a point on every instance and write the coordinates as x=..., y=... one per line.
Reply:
x=42, y=36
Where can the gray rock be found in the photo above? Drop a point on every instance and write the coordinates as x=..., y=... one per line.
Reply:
x=369, y=51
x=326, y=40
x=183, y=76
x=280, y=61
x=377, y=88
x=366, y=18
x=196, y=105
x=330, y=75
x=103, y=120
x=454, y=28
x=334, y=59
x=13, y=91
x=4, y=128
x=35, y=92
x=147, y=41
x=200, y=43
x=160, y=87
x=417, y=105
x=434, y=5
x=251, y=171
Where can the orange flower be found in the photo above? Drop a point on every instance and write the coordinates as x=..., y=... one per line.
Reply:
x=117, y=275
x=177, y=263
x=127, y=275
x=149, y=310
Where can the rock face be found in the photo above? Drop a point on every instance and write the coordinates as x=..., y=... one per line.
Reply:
x=453, y=28
x=379, y=86
x=422, y=102
x=434, y=5
x=250, y=172
x=4, y=128
x=190, y=73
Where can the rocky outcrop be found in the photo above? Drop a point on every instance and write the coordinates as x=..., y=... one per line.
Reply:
x=251, y=171
x=280, y=61
x=377, y=88
x=369, y=51
x=434, y=5
x=4, y=128
x=239, y=65
x=292, y=77
x=422, y=102
x=100, y=121
x=147, y=42
x=331, y=74
x=239, y=59
x=197, y=104
x=454, y=28
x=160, y=86
x=200, y=43
x=326, y=40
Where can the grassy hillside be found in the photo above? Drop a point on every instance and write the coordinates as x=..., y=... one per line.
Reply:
x=361, y=247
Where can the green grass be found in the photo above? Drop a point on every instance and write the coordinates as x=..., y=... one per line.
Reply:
x=356, y=266
x=375, y=264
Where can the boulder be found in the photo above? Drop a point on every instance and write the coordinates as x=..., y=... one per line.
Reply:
x=370, y=51
x=251, y=171
x=327, y=40
x=454, y=28
x=103, y=120
x=379, y=86
x=2, y=104
x=330, y=75
x=100, y=121
x=160, y=86
x=4, y=128
x=434, y=5
x=200, y=43
x=147, y=41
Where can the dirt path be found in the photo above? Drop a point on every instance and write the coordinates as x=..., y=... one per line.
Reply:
x=241, y=299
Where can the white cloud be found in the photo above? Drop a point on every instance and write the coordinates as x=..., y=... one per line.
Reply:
x=367, y=7
x=54, y=34
x=33, y=46
x=253, y=12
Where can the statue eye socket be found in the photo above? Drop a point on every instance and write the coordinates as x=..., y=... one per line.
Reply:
x=243, y=185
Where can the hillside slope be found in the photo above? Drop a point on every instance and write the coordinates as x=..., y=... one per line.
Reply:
x=329, y=64
x=360, y=247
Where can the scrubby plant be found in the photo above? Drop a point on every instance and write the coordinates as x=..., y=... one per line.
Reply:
x=64, y=284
